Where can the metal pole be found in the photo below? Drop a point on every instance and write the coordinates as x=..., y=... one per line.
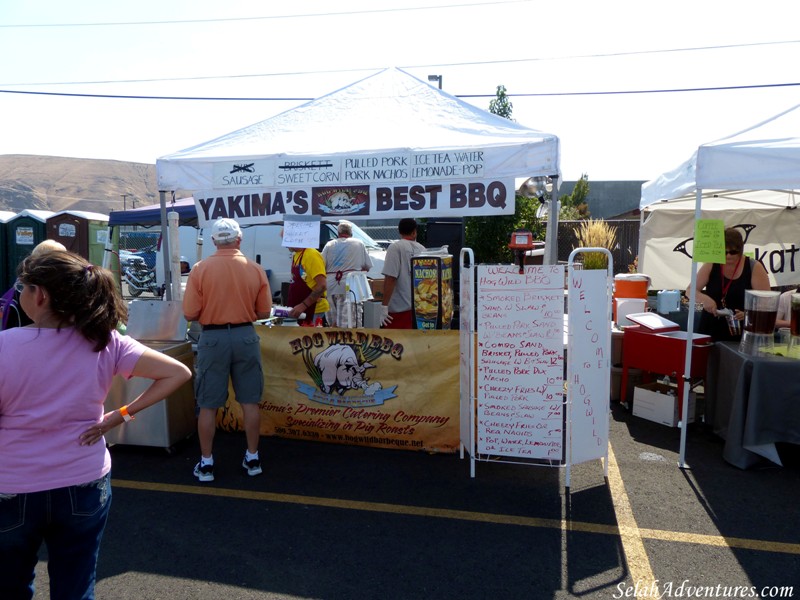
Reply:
x=687, y=365
x=551, y=241
x=165, y=241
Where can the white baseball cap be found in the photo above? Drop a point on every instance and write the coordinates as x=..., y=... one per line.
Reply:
x=225, y=230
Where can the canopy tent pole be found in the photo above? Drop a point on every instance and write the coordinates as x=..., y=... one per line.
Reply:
x=551, y=241
x=687, y=366
x=165, y=242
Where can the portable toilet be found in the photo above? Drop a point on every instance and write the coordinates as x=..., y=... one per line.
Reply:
x=5, y=278
x=23, y=232
x=81, y=232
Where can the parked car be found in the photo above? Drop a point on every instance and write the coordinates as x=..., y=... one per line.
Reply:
x=262, y=243
x=384, y=243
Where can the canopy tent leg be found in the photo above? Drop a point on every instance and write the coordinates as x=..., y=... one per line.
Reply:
x=687, y=366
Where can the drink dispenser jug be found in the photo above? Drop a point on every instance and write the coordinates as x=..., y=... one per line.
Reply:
x=760, y=313
x=794, y=327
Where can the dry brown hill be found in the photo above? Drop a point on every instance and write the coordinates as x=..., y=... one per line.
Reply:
x=55, y=183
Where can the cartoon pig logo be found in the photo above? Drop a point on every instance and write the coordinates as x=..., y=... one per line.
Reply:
x=340, y=371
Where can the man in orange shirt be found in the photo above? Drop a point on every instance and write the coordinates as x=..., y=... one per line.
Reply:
x=225, y=293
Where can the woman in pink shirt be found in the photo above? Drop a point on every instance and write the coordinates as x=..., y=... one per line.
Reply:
x=54, y=378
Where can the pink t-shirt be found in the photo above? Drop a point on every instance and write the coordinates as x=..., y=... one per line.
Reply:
x=52, y=388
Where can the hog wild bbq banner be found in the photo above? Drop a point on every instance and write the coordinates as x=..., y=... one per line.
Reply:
x=372, y=387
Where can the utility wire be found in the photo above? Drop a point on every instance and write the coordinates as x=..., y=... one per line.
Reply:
x=270, y=17
x=427, y=66
x=510, y=95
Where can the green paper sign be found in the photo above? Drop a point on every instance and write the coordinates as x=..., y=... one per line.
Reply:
x=709, y=241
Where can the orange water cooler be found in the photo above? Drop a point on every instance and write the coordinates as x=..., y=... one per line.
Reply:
x=629, y=285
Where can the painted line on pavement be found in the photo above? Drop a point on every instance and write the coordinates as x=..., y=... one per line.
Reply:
x=444, y=513
x=630, y=535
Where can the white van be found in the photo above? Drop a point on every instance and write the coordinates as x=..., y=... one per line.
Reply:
x=262, y=243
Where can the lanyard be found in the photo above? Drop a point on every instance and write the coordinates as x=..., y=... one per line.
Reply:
x=727, y=286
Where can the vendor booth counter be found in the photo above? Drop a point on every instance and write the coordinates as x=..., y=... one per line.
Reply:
x=160, y=326
x=752, y=403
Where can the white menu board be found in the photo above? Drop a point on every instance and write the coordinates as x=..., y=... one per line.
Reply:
x=589, y=368
x=520, y=360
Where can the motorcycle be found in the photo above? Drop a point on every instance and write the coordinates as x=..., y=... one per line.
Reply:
x=140, y=278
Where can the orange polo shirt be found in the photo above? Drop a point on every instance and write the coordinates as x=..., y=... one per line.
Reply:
x=226, y=287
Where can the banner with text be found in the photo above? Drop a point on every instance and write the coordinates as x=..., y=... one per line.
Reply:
x=376, y=185
x=447, y=198
x=383, y=388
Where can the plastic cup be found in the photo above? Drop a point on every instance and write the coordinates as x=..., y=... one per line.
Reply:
x=734, y=325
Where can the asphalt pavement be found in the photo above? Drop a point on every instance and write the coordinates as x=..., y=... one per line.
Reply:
x=335, y=522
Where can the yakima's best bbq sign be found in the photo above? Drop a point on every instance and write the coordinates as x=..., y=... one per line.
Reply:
x=373, y=186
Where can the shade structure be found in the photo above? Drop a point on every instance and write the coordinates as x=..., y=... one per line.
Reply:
x=386, y=146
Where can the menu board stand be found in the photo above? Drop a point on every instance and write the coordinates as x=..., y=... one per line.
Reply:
x=514, y=408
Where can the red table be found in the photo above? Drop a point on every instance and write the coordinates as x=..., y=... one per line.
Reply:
x=662, y=351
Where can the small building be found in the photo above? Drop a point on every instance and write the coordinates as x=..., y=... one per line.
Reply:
x=23, y=232
x=81, y=232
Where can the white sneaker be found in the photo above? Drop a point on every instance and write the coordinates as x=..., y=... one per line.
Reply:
x=253, y=466
x=204, y=472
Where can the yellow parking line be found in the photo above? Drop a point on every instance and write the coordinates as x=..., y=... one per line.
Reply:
x=442, y=513
x=630, y=535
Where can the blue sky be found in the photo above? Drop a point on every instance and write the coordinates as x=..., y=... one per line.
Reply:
x=574, y=52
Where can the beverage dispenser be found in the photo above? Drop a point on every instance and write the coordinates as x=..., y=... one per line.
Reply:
x=630, y=285
x=760, y=313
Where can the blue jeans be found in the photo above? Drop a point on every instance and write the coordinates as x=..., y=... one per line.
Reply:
x=70, y=521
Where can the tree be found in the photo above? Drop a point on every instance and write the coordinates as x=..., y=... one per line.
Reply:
x=501, y=106
x=574, y=206
x=489, y=236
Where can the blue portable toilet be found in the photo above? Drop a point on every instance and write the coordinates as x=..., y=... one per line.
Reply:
x=5, y=281
x=23, y=232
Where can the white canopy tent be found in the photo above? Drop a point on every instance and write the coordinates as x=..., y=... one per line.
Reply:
x=763, y=157
x=387, y=146
x=767, y=218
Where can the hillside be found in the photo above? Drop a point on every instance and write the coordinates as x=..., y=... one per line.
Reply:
x=56, y=183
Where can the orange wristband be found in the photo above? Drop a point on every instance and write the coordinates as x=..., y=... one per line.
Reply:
x=126, y=416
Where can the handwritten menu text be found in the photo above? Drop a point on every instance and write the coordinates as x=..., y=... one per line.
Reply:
x=520, y=360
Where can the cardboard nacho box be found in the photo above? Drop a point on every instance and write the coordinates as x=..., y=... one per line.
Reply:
x=432, y=282
x=652, y=401
x=376, y=287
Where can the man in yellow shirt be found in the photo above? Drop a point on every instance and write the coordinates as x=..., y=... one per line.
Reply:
x=225, y=293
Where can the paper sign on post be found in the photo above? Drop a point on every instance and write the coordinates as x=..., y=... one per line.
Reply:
x=300, y=234
x=709, y=241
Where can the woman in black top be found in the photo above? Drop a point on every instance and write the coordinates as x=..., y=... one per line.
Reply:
x=723, y=286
